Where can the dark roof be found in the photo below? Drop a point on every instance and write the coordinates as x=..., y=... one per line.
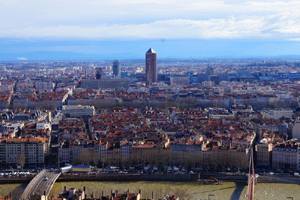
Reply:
x=82, y=166
x=151, y=51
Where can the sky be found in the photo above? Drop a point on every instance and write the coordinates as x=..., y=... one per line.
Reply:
x=127, y=28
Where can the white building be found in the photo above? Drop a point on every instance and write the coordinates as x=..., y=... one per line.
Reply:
x=179, y=80
x=44, y=85
x=78, y=110
x=43, y=126
x=277, y=114
x=208, y=84
x=296, y=130
x=285, y=157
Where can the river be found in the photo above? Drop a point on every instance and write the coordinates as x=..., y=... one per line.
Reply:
x=186, y=190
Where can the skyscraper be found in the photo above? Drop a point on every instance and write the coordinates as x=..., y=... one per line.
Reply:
x=209, y=70
x=98, y=73
x=116, y=68
x=151, y=67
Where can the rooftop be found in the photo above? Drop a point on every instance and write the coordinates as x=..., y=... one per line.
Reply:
x=151, y=51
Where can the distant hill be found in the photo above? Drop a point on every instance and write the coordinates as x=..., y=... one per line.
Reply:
x=47, y=55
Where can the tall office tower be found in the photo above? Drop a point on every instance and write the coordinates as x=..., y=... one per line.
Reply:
x=209, y=70
x=151, y=67
x=116, y=68
x=98, y=73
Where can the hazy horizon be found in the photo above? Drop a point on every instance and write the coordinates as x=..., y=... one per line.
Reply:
x=11, y=50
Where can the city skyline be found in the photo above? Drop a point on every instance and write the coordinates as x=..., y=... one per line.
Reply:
x=85, y=99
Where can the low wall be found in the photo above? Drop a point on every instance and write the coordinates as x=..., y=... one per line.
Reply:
x=128, y=177
x=8, y=180
x=278, y=179
x=225, y=176
x=156, y=177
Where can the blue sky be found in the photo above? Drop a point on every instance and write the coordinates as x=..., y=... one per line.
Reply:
x=197, y=28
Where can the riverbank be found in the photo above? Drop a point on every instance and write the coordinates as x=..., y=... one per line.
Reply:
x=160, y=177
x=279, y=179
x=188, y=190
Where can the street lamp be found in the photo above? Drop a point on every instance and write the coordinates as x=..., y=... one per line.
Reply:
x=210, y=195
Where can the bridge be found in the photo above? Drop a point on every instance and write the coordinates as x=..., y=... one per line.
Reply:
x=251, y=177
x=40, y=185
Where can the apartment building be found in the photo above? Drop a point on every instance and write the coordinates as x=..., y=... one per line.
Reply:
x=264, y=153
x=44, y=86
x=285, y=156
x=78, y=110
x=19, y=151
x=277, y=114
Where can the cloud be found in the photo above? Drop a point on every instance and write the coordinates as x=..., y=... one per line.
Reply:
x=135, y=19
x=282, y=26
x=22, y=58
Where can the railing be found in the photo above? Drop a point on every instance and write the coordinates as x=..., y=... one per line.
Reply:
x=251, y=178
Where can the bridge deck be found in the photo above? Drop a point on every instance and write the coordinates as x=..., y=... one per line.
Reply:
x=251, y=178
x=38, y=185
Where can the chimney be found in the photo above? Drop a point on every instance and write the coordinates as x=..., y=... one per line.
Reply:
x=102, y=194
x=152, y=195
x=65, y=188
x=140, y=192
x=84, y=192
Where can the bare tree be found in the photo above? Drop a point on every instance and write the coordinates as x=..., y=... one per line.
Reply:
x=20, y=160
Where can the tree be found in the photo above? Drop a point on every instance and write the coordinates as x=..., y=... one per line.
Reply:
x=20, y=160
x=86, y=157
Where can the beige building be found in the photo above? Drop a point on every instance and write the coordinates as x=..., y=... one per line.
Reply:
x=19, y=151
x=264, y=154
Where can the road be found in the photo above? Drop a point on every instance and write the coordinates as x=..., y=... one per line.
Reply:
x=39, y=185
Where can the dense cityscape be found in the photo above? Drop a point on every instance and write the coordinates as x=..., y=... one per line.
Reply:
x=148, y=120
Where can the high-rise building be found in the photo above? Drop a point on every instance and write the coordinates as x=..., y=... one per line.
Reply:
x=209, y=70
x=116, y=69
x=151, y=67
x=98, y=73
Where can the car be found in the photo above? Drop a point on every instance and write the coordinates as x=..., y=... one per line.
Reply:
x=45, y=178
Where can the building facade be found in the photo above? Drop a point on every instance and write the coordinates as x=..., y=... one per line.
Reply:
x=24, y=151
x=78, y=110
x=116, y=69
x=114, y=83
x=151, y=67
x=98, y=73
x=264, y=154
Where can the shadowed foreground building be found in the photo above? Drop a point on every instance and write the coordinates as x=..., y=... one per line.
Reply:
x=99, y=73
x=151, y=67
x=73, y=194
